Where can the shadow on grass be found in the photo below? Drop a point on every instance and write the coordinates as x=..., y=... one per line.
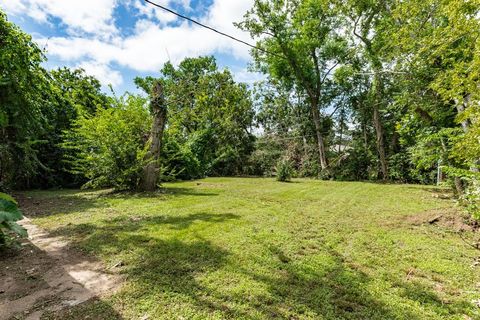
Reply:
x=334, y=291
x=415, y=290
x=62, y=202
x=157, y=269
x=91, y=309
x=170, y=271
x=340, y=290
x=162, y=192
x=120, y=225
x=72, y=201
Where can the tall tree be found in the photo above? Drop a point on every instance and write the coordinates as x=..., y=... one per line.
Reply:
x=71, y=93
x=442, y=66
x=24, y=89
x=300, y=47
x=366, y=25
x=210, y=118
x=159, y=111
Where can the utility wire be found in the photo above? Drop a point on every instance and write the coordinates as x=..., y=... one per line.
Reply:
x=213, y=29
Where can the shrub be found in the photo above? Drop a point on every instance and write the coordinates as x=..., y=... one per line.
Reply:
x=263, y=159
x=178, y=161
x=284, y=170
x=470, y=199
x=109, y=148
x=9, y=214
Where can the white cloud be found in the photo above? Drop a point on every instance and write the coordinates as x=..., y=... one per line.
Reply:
x=152, y=44
x=247, y=77
x=12, y=6
x=153, y=12
x=102, y=72
x=222, y=15
x=154, y=41
x=90, y=16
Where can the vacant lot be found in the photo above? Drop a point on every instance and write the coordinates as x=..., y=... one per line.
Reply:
x=248, y=248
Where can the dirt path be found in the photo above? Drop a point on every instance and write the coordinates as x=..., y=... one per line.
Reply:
x=48, y=277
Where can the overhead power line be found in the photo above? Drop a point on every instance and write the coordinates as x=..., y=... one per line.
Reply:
x=212, y=29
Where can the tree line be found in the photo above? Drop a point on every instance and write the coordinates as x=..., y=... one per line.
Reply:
x=354, y=90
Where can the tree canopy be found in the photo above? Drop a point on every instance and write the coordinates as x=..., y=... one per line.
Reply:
x=353, y=90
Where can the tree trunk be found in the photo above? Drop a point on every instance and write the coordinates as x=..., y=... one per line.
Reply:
x=380, y=142
x=365, y=138
x=341, y=132
x=159, y=110
x=320, y=141
x=458, y=186
x=466, y=125
x=377, y=122
x=461, y=106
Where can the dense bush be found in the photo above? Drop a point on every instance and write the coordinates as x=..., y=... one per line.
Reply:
x=110, y=146
x=36, y=106
x=471, y=198
x=23, y=89
x=9, y=215
x=284, y=171
x=178, y=161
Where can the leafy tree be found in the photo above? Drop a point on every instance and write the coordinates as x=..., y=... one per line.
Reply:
x=71, y=93
x=443, y=61
x=210, y=116
x=365, y=22
x=23, y=83
x=36, y=107
x=81, y=93
x=288, y=132
x=109, y=147
x=300, y=47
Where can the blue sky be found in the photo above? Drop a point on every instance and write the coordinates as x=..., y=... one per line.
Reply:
x=117, y=40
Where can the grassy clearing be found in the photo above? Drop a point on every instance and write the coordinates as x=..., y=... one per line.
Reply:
x=257, y=249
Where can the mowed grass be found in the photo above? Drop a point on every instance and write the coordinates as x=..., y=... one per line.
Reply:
x=251, y=248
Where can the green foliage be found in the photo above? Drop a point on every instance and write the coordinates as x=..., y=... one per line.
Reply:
x=355, y=90
x=263, y=160
x=80, y=92
x=209, y=119
x=284, y=171
x=355, y=165
x=470, y=198
x=110, y=146
x=36, y=106
x=23, y=83
x=178, y=161
x=9, y=215
x=73, y=93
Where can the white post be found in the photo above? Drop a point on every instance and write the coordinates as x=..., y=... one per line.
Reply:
x=439, y=172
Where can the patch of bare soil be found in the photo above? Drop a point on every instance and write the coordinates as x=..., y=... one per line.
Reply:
x=46, y=277
x=41, y=207
x=210, y=185
x=449, y=218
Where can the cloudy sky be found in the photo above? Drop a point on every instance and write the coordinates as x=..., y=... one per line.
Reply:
x=116, y=40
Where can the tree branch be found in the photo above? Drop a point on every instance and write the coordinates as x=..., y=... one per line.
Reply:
x=328, y=72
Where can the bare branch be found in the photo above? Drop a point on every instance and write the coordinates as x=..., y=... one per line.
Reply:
x=328, y=71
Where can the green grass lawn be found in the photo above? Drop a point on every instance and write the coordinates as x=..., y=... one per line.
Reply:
x=251, y=248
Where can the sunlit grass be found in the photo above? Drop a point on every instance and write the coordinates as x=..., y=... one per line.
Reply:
x=253, y=248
